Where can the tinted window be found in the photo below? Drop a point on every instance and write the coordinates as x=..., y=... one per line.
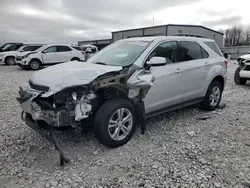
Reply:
x=204, y=53
x=77, y=48
x=168, y=50
x=93, y=50
x=51, y=49
x=14, y=47
x=63, y=49
x=214, y=47
x=191, y=50
x=30, y=48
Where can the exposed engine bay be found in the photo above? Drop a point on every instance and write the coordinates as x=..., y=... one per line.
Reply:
x=72, y=106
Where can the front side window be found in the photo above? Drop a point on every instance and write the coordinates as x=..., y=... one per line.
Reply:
x=51, y=49
x=169, y=50
x=191, y=50
x=30, y=48
x=14, y=47
x=120, y=53
x=63, y=49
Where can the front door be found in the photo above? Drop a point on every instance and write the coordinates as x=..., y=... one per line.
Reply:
x=49, y=55
x=168, y=87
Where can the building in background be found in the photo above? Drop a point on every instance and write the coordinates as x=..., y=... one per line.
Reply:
x=100, y=44
x=170, y=30
x=161, y=30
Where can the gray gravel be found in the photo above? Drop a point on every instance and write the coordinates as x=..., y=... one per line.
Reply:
x=178, y=150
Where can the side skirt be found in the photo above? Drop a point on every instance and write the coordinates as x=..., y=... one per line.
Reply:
x=173, y=108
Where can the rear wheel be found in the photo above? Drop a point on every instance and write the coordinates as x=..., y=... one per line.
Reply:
x=237, y=79
x=213, y=96
x=35, y=64
x=75, y=59
x=10, y=61
x=114, y=123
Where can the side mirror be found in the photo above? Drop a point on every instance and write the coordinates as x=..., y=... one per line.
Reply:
x=157, y=61
x=44, y=51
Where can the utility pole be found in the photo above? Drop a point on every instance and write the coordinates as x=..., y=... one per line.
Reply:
x=153, y=21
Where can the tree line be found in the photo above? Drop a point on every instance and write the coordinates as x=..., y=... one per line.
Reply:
x=236, y=36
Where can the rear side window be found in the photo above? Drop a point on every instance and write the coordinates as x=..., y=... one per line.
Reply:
x=77, y=48
x=214, y=47
x=168, y=50
x=191, y=50
x=63, y=49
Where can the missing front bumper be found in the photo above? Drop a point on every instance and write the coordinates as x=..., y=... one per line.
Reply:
x=49, y=134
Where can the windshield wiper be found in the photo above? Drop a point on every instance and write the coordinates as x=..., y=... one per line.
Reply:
x=100, y=63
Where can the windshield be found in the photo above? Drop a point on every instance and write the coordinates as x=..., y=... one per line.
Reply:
x=121, y=53
x=5, y=46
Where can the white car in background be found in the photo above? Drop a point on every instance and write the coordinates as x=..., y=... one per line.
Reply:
x=242, y=73
x=50, y=55
x=8, y=57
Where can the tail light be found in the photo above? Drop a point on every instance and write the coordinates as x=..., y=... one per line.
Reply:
x=226, y=63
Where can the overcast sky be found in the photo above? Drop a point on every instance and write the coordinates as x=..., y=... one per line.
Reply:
x=68, y=21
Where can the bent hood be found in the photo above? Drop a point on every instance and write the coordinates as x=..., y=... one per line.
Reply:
x=69, y=74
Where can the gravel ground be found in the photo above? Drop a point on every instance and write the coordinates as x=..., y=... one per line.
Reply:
x=178, y=150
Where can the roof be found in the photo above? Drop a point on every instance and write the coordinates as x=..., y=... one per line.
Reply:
x=94, y=40
x=178, y=25
x=160, y=38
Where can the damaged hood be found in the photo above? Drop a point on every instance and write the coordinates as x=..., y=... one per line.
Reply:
x=69, y=74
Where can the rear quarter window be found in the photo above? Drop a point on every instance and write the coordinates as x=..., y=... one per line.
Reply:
x=214, y=47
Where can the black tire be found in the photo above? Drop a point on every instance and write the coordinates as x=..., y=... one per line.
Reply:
x=102, y=118
x=75, y=59
x=237, y=79
x=9, y=61
x=206, y=104
x=35, y=64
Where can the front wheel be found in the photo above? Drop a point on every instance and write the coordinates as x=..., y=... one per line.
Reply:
x=114, y=122
x=213, y=96
x=10, y=61
x=35, y=65
x=237, y=79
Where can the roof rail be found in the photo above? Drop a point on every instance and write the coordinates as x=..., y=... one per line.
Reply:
x=189, y=35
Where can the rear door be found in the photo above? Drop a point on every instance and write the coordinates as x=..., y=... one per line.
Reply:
x=194, y=71
x=168, y=87
x=64, y=53
x=49, y=55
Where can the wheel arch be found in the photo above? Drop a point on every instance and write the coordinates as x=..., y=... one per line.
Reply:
x=37, y=59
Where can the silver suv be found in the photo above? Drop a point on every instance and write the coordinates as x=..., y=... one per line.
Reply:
x=125, y=83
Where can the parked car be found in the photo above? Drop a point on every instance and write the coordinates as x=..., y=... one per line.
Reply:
x=7, y=51
x=50, y=55
x=9, y=57
x=242, y=73
x=125, y=83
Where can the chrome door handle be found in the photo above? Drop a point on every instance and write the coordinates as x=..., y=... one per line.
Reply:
x=178, y=70
x=206, y=64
